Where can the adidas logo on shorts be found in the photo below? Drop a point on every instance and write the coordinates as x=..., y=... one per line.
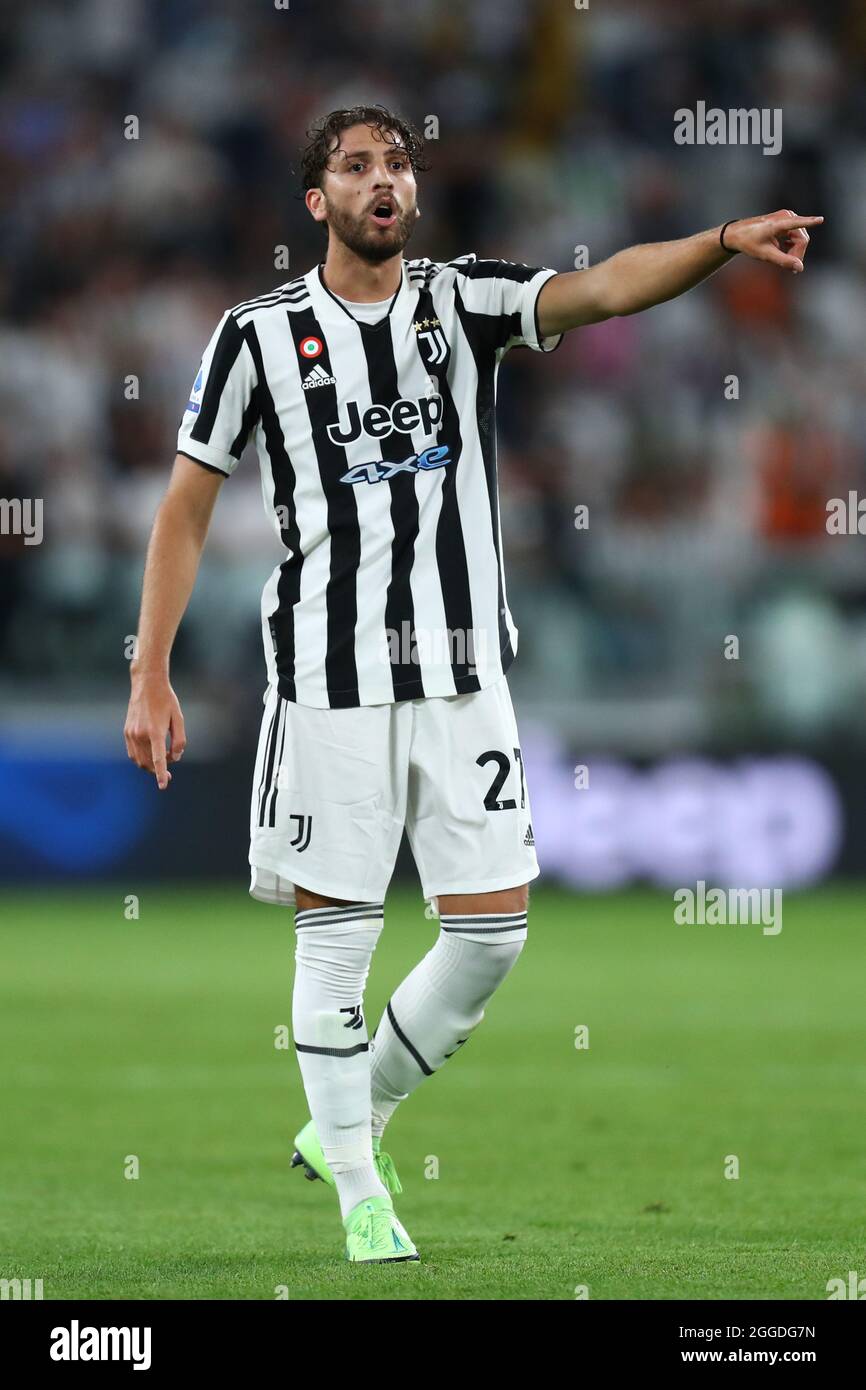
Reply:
x=529, y=838
x=318, y=377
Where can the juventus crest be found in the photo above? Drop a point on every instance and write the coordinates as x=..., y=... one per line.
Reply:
x=433, y=346
x=305, y=828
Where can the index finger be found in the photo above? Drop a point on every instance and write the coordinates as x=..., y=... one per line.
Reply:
x=788, y=224
x=157, y=753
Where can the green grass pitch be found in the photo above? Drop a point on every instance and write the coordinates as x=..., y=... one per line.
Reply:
x=557, y=1167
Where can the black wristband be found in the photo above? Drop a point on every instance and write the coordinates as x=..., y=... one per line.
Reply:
x=722, y=237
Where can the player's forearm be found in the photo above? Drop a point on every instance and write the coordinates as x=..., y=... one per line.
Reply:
x=173, y=557
x=632, y=280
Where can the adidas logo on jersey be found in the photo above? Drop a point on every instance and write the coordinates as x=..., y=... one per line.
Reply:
x=318, y=377
x=529, y=838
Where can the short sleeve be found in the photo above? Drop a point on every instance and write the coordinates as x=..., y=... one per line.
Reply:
x=223, y=404
x=503, y=296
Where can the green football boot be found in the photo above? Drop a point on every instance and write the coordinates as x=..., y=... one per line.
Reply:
x=374, y=1236
x=308, y=1151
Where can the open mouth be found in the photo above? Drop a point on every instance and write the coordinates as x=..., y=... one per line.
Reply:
x=384, y=215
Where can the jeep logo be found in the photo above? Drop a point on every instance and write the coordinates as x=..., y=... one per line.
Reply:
x=381, y=420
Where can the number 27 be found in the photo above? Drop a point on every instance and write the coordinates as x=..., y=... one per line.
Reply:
x=503, y=763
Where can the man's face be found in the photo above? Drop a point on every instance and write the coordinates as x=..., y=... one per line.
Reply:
x=368, y=194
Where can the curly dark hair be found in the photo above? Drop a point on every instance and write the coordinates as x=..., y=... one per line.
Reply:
x=320, y=139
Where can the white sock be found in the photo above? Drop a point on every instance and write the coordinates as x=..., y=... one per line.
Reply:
x=334, y=948
x=431, y=1014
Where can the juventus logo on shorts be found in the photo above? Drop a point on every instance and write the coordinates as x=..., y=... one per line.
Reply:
x=305, y=829
x=357, y=1018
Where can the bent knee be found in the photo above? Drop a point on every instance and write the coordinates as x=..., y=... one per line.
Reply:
x=471, y=904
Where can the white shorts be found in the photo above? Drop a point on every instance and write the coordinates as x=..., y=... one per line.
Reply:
x=333, y=789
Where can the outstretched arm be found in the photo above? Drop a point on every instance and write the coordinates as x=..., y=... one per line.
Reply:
x=642, y=276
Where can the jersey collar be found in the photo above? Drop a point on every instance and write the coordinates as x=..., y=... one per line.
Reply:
x=338, y=310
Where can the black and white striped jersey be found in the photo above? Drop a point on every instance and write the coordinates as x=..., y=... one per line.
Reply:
x=377, y=448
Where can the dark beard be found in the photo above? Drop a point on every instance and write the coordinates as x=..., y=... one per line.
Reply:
x=371, y=245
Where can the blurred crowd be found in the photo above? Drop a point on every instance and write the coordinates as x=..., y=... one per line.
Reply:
x=704, y=437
